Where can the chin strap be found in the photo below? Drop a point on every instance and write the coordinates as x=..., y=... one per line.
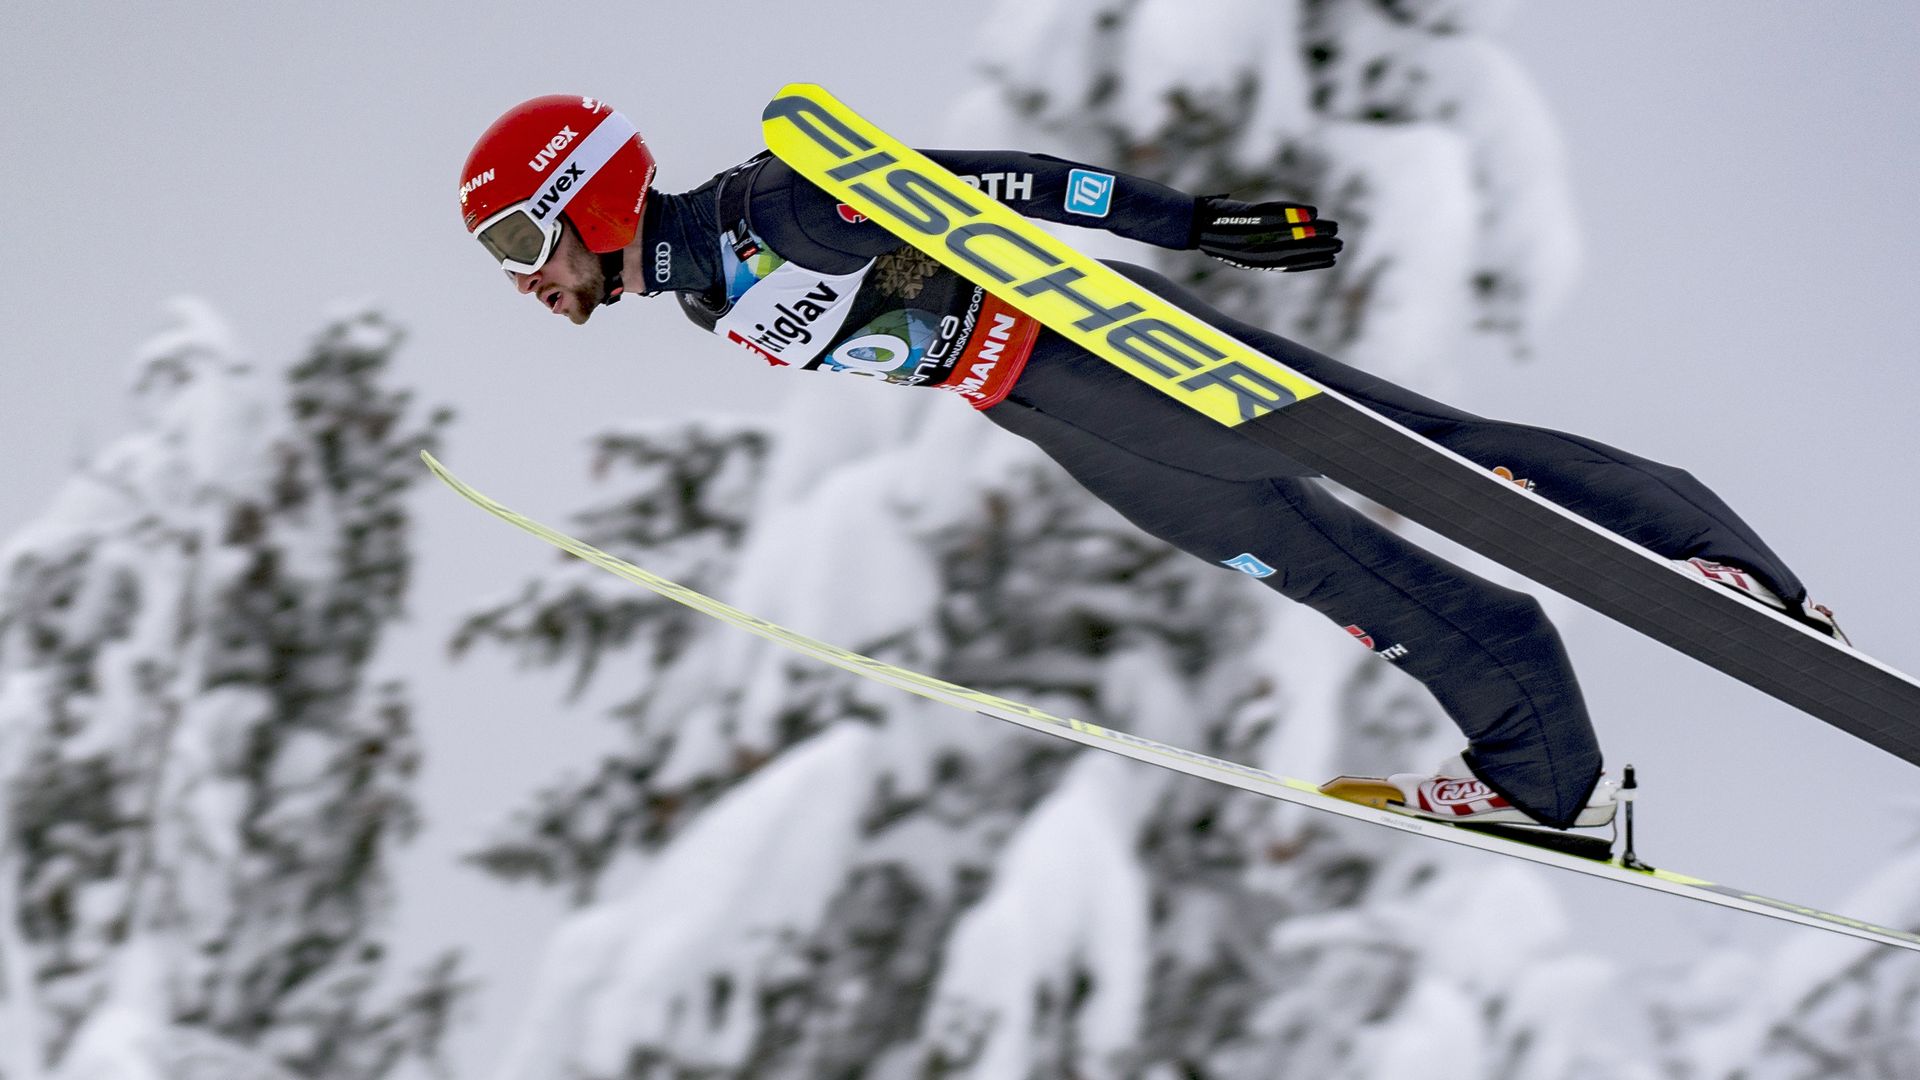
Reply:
x=610, y=268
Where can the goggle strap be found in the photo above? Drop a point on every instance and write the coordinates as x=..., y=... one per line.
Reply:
x=611, y=268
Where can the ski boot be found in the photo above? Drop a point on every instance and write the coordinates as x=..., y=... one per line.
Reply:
x=1818, y=616
x=1452, y=794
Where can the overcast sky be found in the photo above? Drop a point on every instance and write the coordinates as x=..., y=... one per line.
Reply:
x=1744, y=173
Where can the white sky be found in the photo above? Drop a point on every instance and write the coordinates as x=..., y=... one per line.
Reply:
x=1743, y=171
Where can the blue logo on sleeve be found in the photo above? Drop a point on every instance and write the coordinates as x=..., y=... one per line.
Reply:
x=1248, y=565
x=1089, y=193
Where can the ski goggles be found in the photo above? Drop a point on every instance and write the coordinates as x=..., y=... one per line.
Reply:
x=522, y=236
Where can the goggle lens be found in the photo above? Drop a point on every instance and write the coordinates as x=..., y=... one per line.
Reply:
x=518, y=242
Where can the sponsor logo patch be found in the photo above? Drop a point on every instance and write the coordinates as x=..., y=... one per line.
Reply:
x=1460, y=790
x=1506, y=474
x=1089, y=193
x=789, y=323
x=1251, y=566
x=1449, y=792
x=467, y=188
x=790, y=315
x=1731, y=576
x=1003, y=185
x=878, y=355
x=1391, y=652
x=662, y=262
x=954, y=330
x=995, y=353
x=849, y=215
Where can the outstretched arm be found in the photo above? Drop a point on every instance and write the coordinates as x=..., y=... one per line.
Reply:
x=820, y=231
x=1256, y=236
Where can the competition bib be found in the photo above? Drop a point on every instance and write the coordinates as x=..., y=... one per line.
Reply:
x=790, y=315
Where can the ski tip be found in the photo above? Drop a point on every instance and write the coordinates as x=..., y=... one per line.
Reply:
x=779, y=104
x=434, y=466
x=446, y=477
x=1365, y=790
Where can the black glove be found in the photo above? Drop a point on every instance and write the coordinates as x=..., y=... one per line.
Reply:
x=1263, y=236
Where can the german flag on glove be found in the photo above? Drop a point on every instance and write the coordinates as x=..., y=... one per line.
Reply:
x=1264, y=236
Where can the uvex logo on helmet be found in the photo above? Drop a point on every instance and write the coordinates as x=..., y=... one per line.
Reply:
x=550, y=153
x=550, y=197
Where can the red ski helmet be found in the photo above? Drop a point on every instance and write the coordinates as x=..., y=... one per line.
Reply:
x=551, y=157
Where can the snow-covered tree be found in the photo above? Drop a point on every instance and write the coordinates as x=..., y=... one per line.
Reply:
x=795, y=874
x=203, y=777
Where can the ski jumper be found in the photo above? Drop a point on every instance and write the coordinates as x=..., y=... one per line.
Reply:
x=782, y=269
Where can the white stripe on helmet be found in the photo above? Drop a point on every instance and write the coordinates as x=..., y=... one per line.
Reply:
x=588, y=157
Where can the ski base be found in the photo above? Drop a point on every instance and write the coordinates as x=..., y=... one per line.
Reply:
x=1579, y=845
x=1178, y=759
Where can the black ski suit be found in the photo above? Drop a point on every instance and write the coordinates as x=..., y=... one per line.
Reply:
x=782, y=269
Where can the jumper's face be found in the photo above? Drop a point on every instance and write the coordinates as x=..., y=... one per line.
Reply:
x=569, y=283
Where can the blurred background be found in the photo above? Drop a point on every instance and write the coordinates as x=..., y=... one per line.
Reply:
x=312, y=771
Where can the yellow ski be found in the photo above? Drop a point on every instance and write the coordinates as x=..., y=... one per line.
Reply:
x=998, y=249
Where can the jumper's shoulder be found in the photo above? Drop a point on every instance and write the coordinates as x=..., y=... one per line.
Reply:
x=806, y=223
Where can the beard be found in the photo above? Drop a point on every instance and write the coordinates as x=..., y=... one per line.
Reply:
x=579, y=300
